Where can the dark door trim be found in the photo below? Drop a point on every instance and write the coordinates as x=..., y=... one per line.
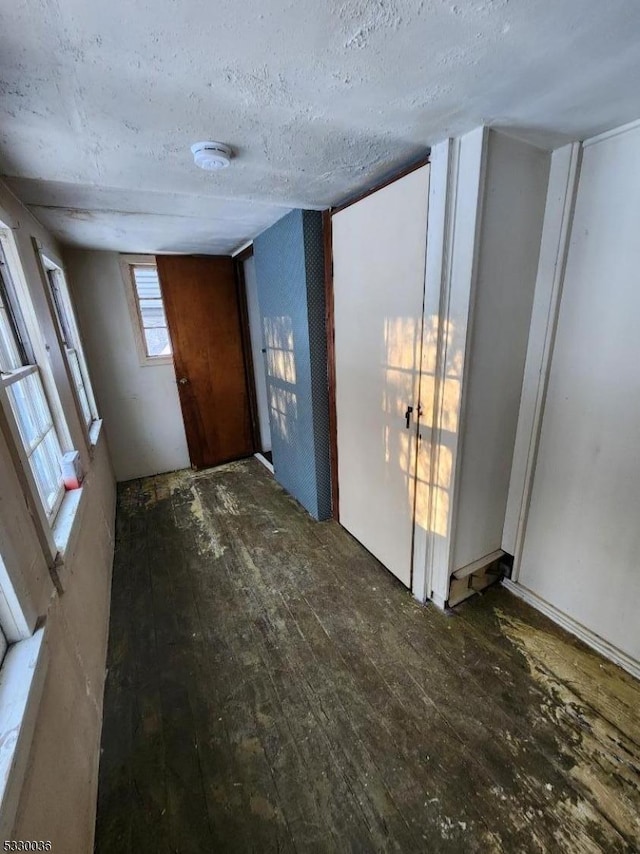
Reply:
x=390, y=179
x=331, y=361
x=238, y=263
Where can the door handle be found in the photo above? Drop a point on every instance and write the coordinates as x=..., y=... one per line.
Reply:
x=407, y=415
x=183, y=380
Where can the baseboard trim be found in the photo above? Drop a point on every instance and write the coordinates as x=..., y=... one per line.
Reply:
x=265, y=462
x=593, y=640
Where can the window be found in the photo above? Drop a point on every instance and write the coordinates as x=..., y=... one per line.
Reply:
x=71, y=339
x=21, y=381
x=150, y=322
x=22, y=672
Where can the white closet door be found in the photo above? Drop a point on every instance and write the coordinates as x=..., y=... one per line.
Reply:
x=379, y=247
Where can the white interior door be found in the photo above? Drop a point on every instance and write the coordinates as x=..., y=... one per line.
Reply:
x=379, y=247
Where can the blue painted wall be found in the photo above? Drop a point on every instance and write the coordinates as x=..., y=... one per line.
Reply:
x=289, y=267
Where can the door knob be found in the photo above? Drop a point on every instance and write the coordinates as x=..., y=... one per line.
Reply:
x=183, y=380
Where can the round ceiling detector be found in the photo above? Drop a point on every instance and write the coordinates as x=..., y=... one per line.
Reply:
x=211, y=155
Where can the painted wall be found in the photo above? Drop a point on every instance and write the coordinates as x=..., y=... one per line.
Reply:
x=486, y=210
x=59, y=795
x=289, y=265
x=57, y=800
x=139, y=404
x=257, y=345
x=581, y=545
x=515, y=186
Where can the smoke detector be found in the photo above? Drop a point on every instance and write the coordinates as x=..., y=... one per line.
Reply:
x=211, y=155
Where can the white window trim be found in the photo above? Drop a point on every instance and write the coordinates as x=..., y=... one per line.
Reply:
x=47, y=261
x=57, y=534
x=5, y=382
x=27, y=478
x=45, y=523
x=18, y=616
x=22, y=677
x=35, y=335
x=126, y=264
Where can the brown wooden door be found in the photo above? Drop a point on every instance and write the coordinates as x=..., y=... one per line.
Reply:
x=203, y=314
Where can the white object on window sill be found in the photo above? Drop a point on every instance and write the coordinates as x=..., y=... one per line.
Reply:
x=21, y=681
x=72, y=474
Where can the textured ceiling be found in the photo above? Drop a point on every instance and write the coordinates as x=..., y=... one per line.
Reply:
x=99, y=102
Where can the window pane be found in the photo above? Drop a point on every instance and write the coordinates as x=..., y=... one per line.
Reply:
x=59, y=303
x=74, y=362
x=147, y=282
x=30, y=409
x=71, y=339
x=151, y=308
x=157, y=342
x=84, y=405
x=45, y=463
x=38, y=435
x=9, y=353
x=152, y=313
x=24, y=412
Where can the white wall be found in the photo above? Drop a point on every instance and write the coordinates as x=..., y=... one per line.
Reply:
x=486, y=212
x=57, y=800
x=139, y=404
x=582, y=540
x=257, y=343
x=508, y=247
x=59, y=794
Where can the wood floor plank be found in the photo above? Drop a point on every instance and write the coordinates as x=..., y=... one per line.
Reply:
x=273, y=688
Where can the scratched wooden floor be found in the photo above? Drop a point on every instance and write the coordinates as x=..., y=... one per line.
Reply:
x=272, y=688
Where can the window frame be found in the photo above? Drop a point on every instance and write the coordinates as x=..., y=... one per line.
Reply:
x=127, y=263
x=7, y=381
x=66, y=321
x=24, y=328
x=23, y=669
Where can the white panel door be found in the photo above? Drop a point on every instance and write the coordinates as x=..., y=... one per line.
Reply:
x=582, y=538
x=379, y=247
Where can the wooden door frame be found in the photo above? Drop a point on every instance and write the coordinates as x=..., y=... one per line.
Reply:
x=241, y=284
x=327, y=234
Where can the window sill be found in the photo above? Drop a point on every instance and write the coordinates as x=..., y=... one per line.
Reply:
x=155, y=361
x=64, y=527
x=21, y=682
x=68, y=521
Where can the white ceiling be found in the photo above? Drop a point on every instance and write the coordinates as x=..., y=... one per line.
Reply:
x=100, y=101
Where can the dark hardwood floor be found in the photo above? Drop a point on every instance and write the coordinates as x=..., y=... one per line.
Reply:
x=272, y=688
